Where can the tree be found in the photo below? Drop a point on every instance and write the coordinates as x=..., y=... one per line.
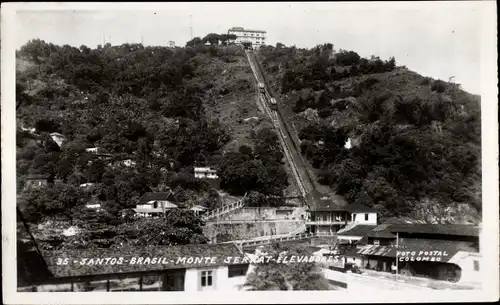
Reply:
x=193, y=42
x=293, y=276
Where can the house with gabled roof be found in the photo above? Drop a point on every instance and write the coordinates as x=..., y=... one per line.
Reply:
x=333, y=213
x=155, y=204
x=38, y=180
x=58, y=138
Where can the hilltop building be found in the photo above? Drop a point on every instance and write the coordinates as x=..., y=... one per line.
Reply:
x=248, y=38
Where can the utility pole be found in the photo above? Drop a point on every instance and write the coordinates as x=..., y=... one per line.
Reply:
x=397, y=249
x=191, y=25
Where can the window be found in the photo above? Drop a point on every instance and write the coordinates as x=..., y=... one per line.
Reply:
x=206, y=278
x=237, y=270
x=376, y=242
x=366, y=217
x=476, y=265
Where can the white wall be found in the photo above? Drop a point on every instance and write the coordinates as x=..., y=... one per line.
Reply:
x=191, y=280
x=360, y=218
x=220, y=279
x=357, y=260
x=465, y=260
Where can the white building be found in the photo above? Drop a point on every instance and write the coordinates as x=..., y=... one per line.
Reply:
x=255, y=38
x=331, y=216
x=95, y=206
x=155, y=204
x=205, y=172
x=353, y=233
x=58, y=138
x=198, y=209
x=93, y=150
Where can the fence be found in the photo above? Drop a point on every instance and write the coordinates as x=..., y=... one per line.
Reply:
x=225, y=209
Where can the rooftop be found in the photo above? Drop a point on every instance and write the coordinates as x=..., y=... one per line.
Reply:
x=38, y=176
x=204, y=169
x=417, y=245
x=240, y=29
x=198, y=208
x=170, y=253
x=358, y=230
x=359, y=208
x=445, y=229
x=157, y=196
x=56, y=134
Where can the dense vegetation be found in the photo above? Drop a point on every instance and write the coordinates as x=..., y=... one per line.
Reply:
x=212, y=38
x=291, y=276
x=413, y=139
x=141, y=105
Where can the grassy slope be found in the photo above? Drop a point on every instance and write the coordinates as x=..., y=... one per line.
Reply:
x=238, y=103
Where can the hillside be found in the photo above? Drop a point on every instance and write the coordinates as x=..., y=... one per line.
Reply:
x=382, y=135
x=152, y=114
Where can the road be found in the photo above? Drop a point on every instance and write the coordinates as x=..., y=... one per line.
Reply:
x=371, y=280
x=420, y=281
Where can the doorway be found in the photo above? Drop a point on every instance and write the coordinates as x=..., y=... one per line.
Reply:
x=173, y=280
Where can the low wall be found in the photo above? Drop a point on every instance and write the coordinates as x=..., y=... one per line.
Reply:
x=236, y=231
x=266, y=213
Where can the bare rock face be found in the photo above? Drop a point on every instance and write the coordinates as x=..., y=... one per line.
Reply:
x=431, y=211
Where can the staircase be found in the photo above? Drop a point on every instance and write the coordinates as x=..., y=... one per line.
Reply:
x=299, y=230
x=225, y=209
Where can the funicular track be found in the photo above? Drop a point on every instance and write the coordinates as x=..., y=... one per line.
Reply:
x=291, y=150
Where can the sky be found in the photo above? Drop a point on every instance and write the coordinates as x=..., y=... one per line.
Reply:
x=436, y=39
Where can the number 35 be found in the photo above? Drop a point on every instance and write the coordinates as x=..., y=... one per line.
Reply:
x=61, y=261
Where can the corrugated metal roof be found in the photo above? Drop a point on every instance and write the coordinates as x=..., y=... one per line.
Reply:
x=445, y=229
x=419, y=246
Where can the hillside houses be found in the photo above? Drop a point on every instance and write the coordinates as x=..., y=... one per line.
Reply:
x=205, y=173
x=154, y=204
x=38, y=180
x=58, y=138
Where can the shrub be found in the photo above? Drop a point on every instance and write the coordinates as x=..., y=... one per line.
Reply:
x=438, y=86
